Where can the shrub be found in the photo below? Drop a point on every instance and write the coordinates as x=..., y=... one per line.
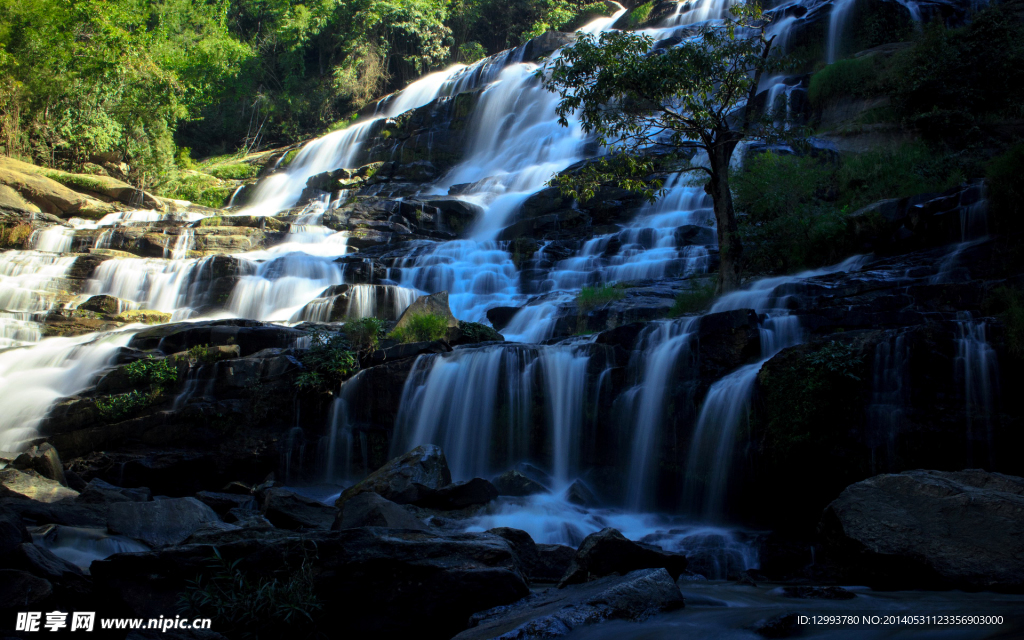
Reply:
x=124, y=405
x=364, y=333
x=234, y=171
x=423, y=327
x=246, y=607
x=156, y=372
x=326, y=363
x=694, y=300
x=590, y=298
x=200, y=354
x=470, y=52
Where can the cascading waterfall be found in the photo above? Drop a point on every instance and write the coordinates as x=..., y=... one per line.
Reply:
x=978, y=371
x=890, y=395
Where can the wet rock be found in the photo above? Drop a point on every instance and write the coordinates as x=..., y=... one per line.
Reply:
x=402, y=479
x=726, y=340
x=608, y=551
x=107, y=305
x=31, y=485
x=161, y=522
x=499, y=317
x=818, y=593
x=541, y=562
x=40, y=562
x=224, y=502
x=579, y=493
x=783, y=625
x=404, y=352
x=459, y=495
x=99, y=492
x=473, y=333
x=930, y=529
x=545, y=44
x=44, y=460
x=514, y=483
x=20, y=590
x=12, y=531
x=389, y=582
x=250, y=336
x=692, y=234
x=370, y=510
x=288, y=510
x=635, y=596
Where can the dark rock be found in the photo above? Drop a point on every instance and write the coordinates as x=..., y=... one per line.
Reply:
x=41, y=562
x=224, y=502
x=553, y=560
x=288, y=510
x=250, y=336
x=579, y=493
x=389, y=582
x=930, y=529
x=170, y=473
x=161, y=522
x=12, y=531
x=783, y=625
x=635, y=596
x=65, y=512
x=99, y=492
x=726, y=340
x=402, y=479
x=499, y=317
x=459, y=495
x=107, y=305
x=818, y=593
x=247, y=519
x=514, y=483
x=692, y=234
x=546, y=44
x=473, y=333
x=20, y=590
x=44, y=460
x=608, y=551
x=31, y=485
x=74, y=481
x=370, y=510
x=237, y=488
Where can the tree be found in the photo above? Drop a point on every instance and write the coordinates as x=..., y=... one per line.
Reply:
x=635, y=101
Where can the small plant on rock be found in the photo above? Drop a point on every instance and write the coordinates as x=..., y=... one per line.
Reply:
x=123, y=405
x=159, y=373
x=326, y=363
x=423, y=327
x=364, y=334
x=694, y=300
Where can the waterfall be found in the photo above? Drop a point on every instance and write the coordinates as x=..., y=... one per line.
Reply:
x=890, y=395
x=977, y=371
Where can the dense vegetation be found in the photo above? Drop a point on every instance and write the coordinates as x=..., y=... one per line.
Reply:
x=139, y=86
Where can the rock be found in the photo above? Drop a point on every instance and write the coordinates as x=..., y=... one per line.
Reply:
x=390, y=583
x=514, y=483
x=145, y=316
x=99, y=492
x=12, y=531
x=159, y=523
x=41, y=562
x=459, y=495
x=541, y=562
x=818, y=593
x=930, y=529
x=635, y=596
x=44, y=460
x=107, y=305
x=170, y=473
x=434, y=304
x=370, y=510
x=608, y=551
x=247, y=519
x=288, y=510
x=692, y=234
x=579, y=493
x=224, y=502
x=237, y=488
x=33, y=486
x=783, y=625
x=545, y=44
x=20, y=590
x=499, y=317
x=402, y=479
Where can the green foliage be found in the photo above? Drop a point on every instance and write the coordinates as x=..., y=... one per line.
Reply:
x=478, y=332
x=639, y=15
x=1006, y=191
x=590, y=298
x=422, y=327
x=365, y=333
x=124, y=405
x=200, y=354
x=236, y=171
x=695, y=300
x=326, y=363
x=200, y=188
x=243, y=606
x=853, y=77
x=1008, y=304
x=470, y=52
x=158, y=373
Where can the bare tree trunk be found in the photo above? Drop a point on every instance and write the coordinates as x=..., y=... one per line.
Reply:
x=730, y=248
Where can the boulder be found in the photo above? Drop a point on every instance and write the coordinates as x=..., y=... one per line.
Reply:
x=161, y=522
x=40, y=561
x=459, y=495
x=402, y=479
x=288, y=510
x=224, y=502
x=107, y=305
x=370, y=510
x=12, y=531
x=170, y=473
x=31, y=485
x=635, y=596
x=44, y=460
x=540, y=562
x=434, y=304
x=99, y=492
x=608, y=551
x=783, y=625
x=930, y=529
x=20, y=590
x=579, y=493
x=514, y=483
x=499, y=317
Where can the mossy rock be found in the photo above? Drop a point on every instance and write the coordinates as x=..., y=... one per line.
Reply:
x=145, y=316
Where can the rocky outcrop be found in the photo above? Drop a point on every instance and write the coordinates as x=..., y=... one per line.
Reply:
x=30, y=484
x=369, y=509
x=160, y=522
x=608, y=551
x=289, y=510
x=514, y=483
x=930, y=529
x=405, y=479
x=434, y=304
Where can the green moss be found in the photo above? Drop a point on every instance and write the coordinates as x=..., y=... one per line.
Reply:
x=15, y=237
x=639, y=15
x=235, y=171
x=590, y=298
x=477, y=332
x=288, y=157
x=73, y=181
x=694, y=300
